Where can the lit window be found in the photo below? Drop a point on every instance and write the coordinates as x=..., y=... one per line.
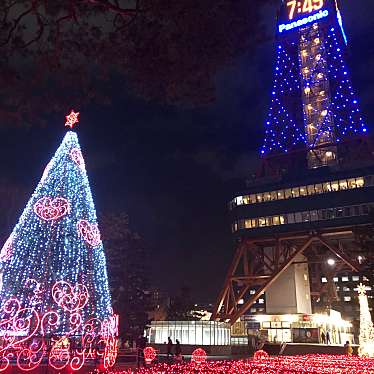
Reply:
x=239, y=200
x=355, y=278
x=345, y=279
x=335, y=186
x=282, y=220
x=323, y=280
x=246, y=200
x=326, y=187
x=259, y=198
x=253, y=310
x=295, y=192
x=351, y=183
x=318, y=188
x=254, y=223
x=273, y=195
x=269, y=221
x=360, y=182
x=336, y=279
x=287, y=193
x=347, y=298
x=305, y=216
x=276, y=220
x=261, y=301
x=303, y=191
x=247, y=224
x=343, y=185
x=280, y=195
x=261, y=222
x=253, y=199
x=311, y=189
x=252, y=292
x=305, y=277
x=346, y=289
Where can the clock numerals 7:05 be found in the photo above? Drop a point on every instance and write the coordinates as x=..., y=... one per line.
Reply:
x=308, y=6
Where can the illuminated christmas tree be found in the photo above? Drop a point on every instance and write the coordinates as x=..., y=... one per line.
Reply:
x=54, y=258
x=366, y=325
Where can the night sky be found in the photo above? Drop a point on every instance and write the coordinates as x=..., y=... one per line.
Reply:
x=173, y=169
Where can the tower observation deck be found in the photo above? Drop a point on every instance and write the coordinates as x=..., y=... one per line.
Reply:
x=313, y=196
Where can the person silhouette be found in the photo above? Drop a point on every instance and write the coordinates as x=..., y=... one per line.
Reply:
x=178, y=351
x=328, y=341
x=323, y=338
x=170, y=348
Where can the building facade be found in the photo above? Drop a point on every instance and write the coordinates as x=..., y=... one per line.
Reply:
x=311, y=203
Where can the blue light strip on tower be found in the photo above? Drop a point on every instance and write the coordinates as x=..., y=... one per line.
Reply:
x=340, y=21
x=304, y=21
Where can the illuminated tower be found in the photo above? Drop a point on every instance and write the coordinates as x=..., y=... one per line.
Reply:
x=313, y=107
x=314, y=192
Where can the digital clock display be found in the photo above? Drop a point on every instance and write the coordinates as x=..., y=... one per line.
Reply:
x=300, y=13
x=297, y=8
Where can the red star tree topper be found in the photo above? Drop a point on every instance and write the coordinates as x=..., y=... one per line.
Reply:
x=72, y=119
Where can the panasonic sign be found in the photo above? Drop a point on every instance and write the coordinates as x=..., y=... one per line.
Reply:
x=304, y=21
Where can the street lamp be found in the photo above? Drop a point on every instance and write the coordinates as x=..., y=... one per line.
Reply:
x=331, y=262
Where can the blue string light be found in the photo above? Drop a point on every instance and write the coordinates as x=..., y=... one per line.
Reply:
x=285, y=128
x=47, y=245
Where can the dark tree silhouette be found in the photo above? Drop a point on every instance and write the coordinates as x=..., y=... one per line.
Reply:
x=181, y=306
x=54, y=53
x=127, y=273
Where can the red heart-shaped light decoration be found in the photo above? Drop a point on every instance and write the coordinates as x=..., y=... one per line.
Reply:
x=90, y=232
x=77, y=157
x=51, y=209
x=70, y=298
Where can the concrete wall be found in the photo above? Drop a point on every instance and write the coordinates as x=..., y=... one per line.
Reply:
x=290, y=293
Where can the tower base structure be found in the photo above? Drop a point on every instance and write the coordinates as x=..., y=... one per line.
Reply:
x=260, y=262
x=305, y=229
